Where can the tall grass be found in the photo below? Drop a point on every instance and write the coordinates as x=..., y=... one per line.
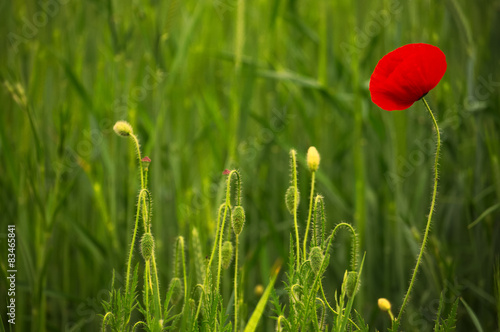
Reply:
x=206, y=90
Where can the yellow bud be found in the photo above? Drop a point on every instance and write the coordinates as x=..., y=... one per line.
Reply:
x=123, y=128
x=313, y=159
x=384, y=304
x=258, y=290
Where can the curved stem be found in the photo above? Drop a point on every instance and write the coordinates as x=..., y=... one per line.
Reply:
x=138, y=148
x=310, y=213
x=429, y=219
x=354, y=242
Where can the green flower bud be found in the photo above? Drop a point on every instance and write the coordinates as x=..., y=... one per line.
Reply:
x=316, y=257
x=290, y=198
x=176, y=288
x=227, y=254
x=238, y=219
x=350, y=283
x=147, y=246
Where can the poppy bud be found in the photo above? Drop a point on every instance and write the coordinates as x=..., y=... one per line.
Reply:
x=290, y=198
x=227, y=254
x=384, y=304
x=176, y=288
x=145, y=163
x=238, y=219
x=313, y=159
x=123, y=128
x=350, y=284
x=316, y=257
x=147, y=246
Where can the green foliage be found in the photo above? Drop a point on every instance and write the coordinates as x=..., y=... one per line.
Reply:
x=206, y=91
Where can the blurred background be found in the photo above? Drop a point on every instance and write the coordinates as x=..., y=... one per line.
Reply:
x=216, y=84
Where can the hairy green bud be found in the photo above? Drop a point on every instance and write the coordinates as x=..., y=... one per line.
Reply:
x=147, y=246
x=176, y=288
x=227, y=254
x=350, y=281
x=238, y=219
x=316, y=257
x=290, y=199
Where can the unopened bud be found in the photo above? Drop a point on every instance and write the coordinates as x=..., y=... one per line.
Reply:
x=290, y=199
x=123, y=128
x=147, y=246
x=351, y=283
x=384, y=304
x=316, y=257
x=176, y=288
x=313, y=159
x=238, y=219
x=227, y=254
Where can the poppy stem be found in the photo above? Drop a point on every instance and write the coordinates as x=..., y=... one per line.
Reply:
x=433, y=202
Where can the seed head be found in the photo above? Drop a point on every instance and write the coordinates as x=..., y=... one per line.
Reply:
x=123, y=128
x=313, y=159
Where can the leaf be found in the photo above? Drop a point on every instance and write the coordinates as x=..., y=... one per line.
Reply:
x=257, y=314
x=472, y=315
x=449, y=324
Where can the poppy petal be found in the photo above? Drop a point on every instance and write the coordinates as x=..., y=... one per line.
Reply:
x=405, y=75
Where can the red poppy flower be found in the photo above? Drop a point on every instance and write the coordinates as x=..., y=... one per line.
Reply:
x=405, y=75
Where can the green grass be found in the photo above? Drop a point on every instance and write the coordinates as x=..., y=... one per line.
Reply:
x=205, y=92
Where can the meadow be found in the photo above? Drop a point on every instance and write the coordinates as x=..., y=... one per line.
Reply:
x=215, y=85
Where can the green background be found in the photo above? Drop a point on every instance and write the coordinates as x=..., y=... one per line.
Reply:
x=206, y=90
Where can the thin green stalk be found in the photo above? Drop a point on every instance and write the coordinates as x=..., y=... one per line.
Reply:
x=132, y=244
x=215, y=241
x=310, y=213
x=227, y=207
x=139, y=158
x=236, y=284
x=295, y=203
x=148, y=285
x=221, y=234
x=157, y=286
x=429, y=219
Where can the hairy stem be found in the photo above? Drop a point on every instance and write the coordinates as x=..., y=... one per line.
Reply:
x=310, y=213
x=429, y=219
x=236, y=284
